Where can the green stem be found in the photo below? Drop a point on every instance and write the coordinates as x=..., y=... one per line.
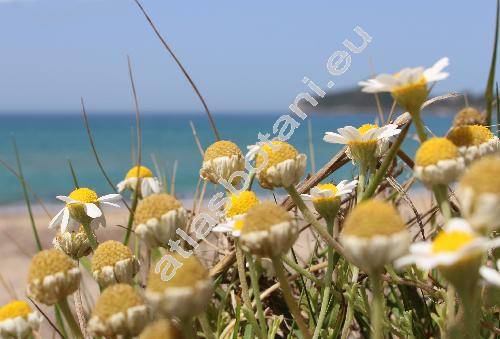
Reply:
x=135, y=200
x=90, y=235
x=419, y=126
x=70, y=320
x=290, y=262
x=450, y=307
x=287, y=294
x=470, y=323
x=187, y=328
x=205, y=326
x=292, y=191
x=361, y=182
x=441, y=194
x=377, y=307
x=327, y=285
x=350, y=303
x=256, y=291
x=240, y=263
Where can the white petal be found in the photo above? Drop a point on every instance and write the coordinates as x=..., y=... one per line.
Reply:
x=66, y=199
x=121, y=185
x=458, y=224
x=334, y=138
x=350, y=133
x=110, y=198
x=435, y=73
x=92, y=210
x=65, y=220
x=57, y=219
x=110, y=204
x=490, y=275
x=306, y=196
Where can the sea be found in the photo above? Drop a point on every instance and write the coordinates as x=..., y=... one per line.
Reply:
x=47, y=141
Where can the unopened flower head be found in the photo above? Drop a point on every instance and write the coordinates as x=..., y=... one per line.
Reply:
x=18, y=320
x=113, y=263
x=438, y=162
x=268, y=230
x=364, y=144
x=409, y=87
x=280, y=164
x=162, y=328
x=474, y=141
x=83, y=206
x=479, y=194
x=326, y=198
x=188, y=291
x=52, y=276
x=374, y=235
x=468, y=116
x=74, y=244
x=157, y=217
x=221, y=160
x=149, y=184
x=457, y=251
x=119, y=311
x=236, y=208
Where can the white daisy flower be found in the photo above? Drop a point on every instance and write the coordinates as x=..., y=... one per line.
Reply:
x=149, y=183
x=327, y=191
x=490, y=275
x=456, y=243
x=220, y=161
x=18, y=320
x=231, y=225
x=364, y=143
x=406, y=77
x=82, y=207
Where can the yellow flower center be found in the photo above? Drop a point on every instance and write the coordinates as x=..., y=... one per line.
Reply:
x=160, y=329
x=49, y=262
x=451, y=241
x=240, y=203
x=473, y=135
x=483, y=176
x=84, y=195
x=468, y=116
x=411, y=96
x=371, y=218
x=330, y=187
x=14, y=309
x=220, y=149
x=434, y=150
x=277, y=152
x=154, y=206
x=191, y=272
x=263, y=216
x=109, y=253
x=115, y=299
x=144, y=172
x=366, y=127
x=238, y=225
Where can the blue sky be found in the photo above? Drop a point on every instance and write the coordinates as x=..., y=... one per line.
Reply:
x=245, y=56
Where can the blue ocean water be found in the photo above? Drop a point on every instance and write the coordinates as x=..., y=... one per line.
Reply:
x=46, y=142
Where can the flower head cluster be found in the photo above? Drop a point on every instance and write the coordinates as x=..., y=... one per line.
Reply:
x=220, y=161
x=149, y=184
x=114, y=263
x=474, y=141
x=18, y=320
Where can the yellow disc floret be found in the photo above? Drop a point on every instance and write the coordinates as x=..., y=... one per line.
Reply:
x=277, y=152
x=451, y=241
x=330, y=187
x=84, y=195
x=14, y=309
x=161, y=329
x=154, y=206
x=263, y=216
x=483, y=176
x=187, y=275
x=49, y=262
x=109, y=253
x=411, y=96
x=468, y=116
x=115, y=299
x=220, y=149
x=366, y=127
x=473, y=135
x=434, y=150
x=142, y=172
x=372, y=218
x=240, y=203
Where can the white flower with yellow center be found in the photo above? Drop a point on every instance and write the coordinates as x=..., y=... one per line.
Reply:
x=52, y=276
x=326, y=198
x=438, y=162
x=236, y=208
x=113, y=263
x=120, y=312
x=474, y=141
x=479, y=194
x=157, y=218
x=278, y=164
x=221, y=160
x=149, y=183
x=409, y=86
x=18, y=320
x=374, y=235
x=457, y=251
x=365, y=143
x=186, y=294
x=268, y=230
x=82, y=207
